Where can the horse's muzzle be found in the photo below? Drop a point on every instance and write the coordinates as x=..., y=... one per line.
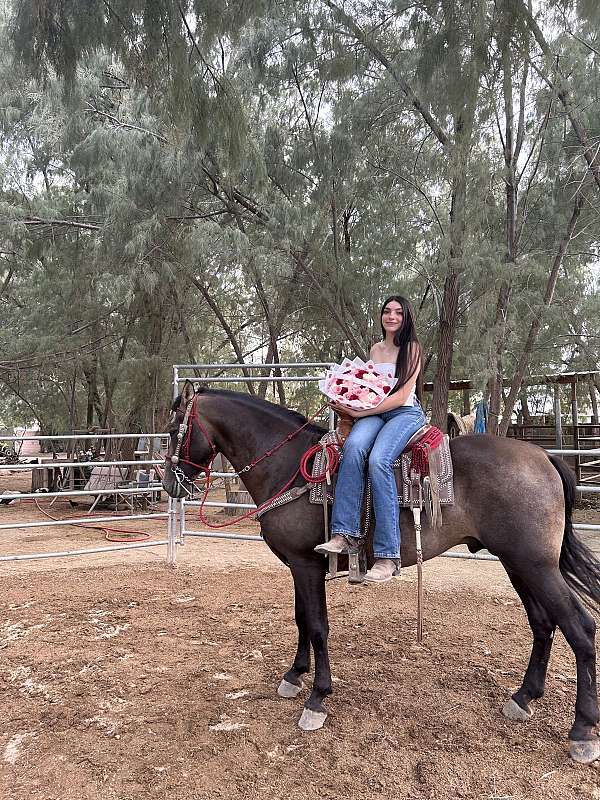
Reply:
x=169, y=483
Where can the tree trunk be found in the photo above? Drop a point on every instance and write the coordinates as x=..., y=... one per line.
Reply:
x=536, y=323
x=439, y=402
x=511, y=150
x=525, y=407
x=274, y=326
x=91, y=379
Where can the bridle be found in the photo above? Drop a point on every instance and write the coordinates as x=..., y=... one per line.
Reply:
x=184, y=436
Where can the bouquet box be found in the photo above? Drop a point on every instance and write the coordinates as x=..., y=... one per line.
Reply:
x=357, y=384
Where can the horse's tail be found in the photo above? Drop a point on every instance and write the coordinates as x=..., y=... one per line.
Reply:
x=578, y=565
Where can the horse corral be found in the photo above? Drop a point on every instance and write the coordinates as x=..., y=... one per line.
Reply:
x=136, y=680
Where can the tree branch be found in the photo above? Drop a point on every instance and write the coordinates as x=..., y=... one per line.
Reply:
x=407, y=90
x=562, y=92
x=120, y=124
x=536, y=323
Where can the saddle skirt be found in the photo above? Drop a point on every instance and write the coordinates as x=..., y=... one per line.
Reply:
x=413, y=489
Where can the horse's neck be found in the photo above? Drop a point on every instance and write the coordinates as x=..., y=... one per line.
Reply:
x=245, y=437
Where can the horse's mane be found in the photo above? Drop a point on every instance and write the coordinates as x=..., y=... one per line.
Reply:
x=258, y=404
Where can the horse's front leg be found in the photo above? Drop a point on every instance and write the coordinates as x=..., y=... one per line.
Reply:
x=291, y=684
x=309, y=580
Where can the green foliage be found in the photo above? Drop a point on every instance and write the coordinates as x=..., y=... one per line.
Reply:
x=223, y=173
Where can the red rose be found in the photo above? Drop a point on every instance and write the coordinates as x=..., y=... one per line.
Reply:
x=386, y=389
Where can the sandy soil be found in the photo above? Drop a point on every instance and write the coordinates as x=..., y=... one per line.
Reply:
x=139, y=681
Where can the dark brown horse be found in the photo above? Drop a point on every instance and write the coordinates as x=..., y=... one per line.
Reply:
x=511, y=498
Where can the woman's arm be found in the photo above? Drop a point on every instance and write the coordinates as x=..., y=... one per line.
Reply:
x=395, y=400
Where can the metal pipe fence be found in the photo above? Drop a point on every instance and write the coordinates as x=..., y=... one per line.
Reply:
x=147, y=490
x=65, y=437
x=53, y=464
x=175, y=515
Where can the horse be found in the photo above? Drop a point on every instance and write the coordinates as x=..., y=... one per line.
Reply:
x=511, y=498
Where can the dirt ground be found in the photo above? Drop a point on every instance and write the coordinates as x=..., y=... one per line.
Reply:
x=123, y=679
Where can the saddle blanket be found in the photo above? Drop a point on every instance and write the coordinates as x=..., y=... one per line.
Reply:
x=439, y=489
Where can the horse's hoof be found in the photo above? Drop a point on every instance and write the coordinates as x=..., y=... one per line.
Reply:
x=585, y=752
x=512, y=710
x=287, y=689
x=312, y=720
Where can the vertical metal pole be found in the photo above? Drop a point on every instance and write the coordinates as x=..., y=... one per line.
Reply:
x=557, y=417
x=171, y=532
x=175, y=381
x=181, y=539
x=575, y=415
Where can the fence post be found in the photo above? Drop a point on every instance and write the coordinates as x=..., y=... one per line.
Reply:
x=575, y=414
x=557, y=417
x=172, y=532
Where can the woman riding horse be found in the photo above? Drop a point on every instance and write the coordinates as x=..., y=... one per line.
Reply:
x=380, y=435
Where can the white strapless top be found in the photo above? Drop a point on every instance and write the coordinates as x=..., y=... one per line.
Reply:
x=385, y=367
x=388, y=367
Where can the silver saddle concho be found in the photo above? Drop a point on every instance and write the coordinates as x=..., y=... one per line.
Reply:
x=417, y=492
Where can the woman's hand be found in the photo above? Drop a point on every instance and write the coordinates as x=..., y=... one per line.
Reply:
x=348, y=412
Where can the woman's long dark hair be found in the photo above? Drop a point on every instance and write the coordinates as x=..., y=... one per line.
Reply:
x=405, y=338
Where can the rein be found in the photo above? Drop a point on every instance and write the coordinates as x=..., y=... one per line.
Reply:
x=184, y=439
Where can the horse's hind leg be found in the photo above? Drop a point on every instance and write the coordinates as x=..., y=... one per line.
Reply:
x=309, y=580
x=532, y=688
x=585, y=739
x=291, y=684
x=550, y=590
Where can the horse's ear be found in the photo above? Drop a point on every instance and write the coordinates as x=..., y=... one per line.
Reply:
x=187, y=393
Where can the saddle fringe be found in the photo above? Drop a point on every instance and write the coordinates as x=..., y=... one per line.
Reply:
x=435, y=471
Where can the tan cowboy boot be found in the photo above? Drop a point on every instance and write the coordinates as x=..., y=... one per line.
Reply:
x=337, y=544
x=382, y=570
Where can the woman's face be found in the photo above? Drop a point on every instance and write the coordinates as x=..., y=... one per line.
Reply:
x=392, y=317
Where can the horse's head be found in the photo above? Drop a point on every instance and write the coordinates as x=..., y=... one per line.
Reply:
x=191, y=448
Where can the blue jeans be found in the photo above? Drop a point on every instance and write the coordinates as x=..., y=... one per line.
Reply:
x=380, y=439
